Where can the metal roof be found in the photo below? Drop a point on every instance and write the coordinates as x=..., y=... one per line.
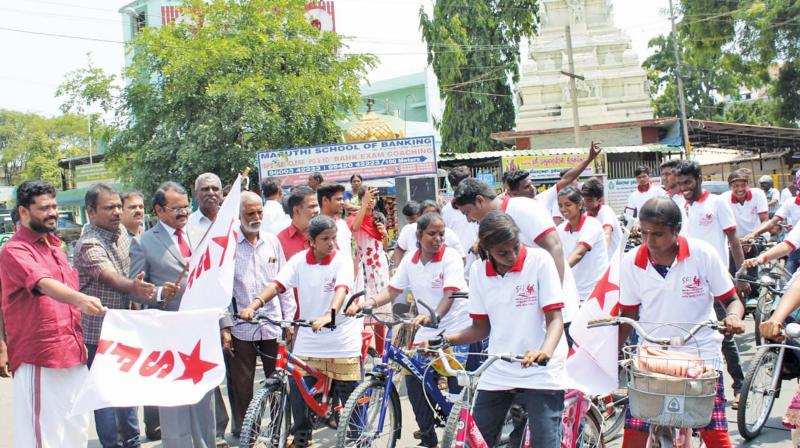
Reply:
x=447, y=156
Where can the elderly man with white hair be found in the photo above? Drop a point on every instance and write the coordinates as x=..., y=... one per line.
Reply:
x=208, y=194
x=259, y=257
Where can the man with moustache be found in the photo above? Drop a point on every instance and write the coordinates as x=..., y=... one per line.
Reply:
x=162, y=253
x=102, y=259
x=259, y=257
x=42, y=308
x=132, y=212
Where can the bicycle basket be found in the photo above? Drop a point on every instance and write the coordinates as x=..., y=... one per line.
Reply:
x=675, y=388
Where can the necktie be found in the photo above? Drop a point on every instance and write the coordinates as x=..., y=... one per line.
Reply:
x=185, y=251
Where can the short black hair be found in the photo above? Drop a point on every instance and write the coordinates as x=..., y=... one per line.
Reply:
x=328, y=191
x=495, y=229
x=468, y=191
x=319, y=224
x=270, y=186
x=457, y=174
x=15, y=216
x=356, y=176
x=671, y=163
x=641, y=169
x=741, y=174
x=317, y=176
x=28, y=191
x=572, y=194
x=91, y=196
x=411, y=208
x=592, y=188
x=160, y=196
x=296, y=197
x=427, y=203
x=688, y=168
x=127, y=195
x=663, y=211
x=426, y=220
x=516, y=177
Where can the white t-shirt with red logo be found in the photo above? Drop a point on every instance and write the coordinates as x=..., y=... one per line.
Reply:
x=637, y=199
x=428, y=282
x=407, y=240
x=707, y=219
x=316, y=284
x=534, y=222
x=609, y=220
x=789, y=211
x=684, y=297
x=589, y=234
x=748, y=214
x=515, y=304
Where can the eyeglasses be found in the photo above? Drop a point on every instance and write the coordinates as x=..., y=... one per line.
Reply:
x=178, y=209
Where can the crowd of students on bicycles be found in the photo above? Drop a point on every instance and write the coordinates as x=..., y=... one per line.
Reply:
x=526, y=277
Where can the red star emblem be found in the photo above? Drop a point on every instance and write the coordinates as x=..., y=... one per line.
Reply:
x=223, y=241
x=602, y=288
x=195, y=367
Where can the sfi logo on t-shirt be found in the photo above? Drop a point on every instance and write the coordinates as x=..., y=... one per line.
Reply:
x=706, y=219
x=438, y=281
x=526, y=295
x=329, y=285
x=692, y=287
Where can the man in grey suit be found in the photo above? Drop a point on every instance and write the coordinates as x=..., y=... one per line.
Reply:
x=161, y=253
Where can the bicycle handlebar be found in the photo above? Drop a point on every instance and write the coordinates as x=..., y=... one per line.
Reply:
x=282, y=323
x=675, y=341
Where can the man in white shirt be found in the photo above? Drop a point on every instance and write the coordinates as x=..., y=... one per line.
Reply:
x=208, y=194
x=275, y=217
x=709, y=218
x=749, y=204
x=466, y=231
x=592, y=191
x=668, y=181
x=773, y=196
x=331, y=204
x=644, y=191
x=791, y=189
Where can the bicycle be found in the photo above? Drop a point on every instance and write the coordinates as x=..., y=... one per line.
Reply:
x=266, y=423
x=772, y=280
x=669, y=404
x=376, y=400
x=762, y=383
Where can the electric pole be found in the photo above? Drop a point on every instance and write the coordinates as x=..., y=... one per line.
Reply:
x=573, y=90
x=678, y=74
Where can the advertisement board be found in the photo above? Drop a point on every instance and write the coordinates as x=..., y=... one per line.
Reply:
x=337, y=162
x=546, y=167
x=618, y=191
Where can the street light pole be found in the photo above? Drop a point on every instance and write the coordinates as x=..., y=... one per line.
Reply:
x=678, y=74
x=573, y=89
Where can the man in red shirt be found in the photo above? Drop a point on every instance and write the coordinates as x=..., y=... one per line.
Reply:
x=302, y=205
x=42, y=312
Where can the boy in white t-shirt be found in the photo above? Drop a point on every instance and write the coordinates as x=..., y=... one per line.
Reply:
x=592, y=192
x=749, y=204
x=644, y=191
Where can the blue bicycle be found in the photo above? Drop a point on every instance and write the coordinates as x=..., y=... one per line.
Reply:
x=372, y=416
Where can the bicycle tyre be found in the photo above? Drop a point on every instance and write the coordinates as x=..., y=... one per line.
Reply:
x=613, y=424
x=765, y=359
x=591, y=430
x=275, y=430
x=351, y=411
x=761, y=312
x=451, y=426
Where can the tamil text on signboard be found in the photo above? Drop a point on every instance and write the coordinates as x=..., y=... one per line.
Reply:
x=337, y=162
x=547, y=166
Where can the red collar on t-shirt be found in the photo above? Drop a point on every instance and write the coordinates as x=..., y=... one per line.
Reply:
x=797, y=199
x=643, y=189
x=310, y=259
x=517, y=267
x=506, y=199
x=643, y=253
x=747, y=197
x=568, y=228
x=701, y=199
x=436, y=258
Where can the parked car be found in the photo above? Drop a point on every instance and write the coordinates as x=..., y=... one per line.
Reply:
x=716, y=186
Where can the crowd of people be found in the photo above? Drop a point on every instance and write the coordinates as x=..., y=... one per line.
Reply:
x=528, y=261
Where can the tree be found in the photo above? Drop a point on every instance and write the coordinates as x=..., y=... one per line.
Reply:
x=227, y=80
x=473, y=48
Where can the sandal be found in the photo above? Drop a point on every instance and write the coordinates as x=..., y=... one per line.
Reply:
x=302, y=439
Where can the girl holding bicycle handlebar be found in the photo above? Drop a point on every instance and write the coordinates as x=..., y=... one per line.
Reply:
x=516, y=299
x=668, y=281
x=322, y=277
x=433, y=272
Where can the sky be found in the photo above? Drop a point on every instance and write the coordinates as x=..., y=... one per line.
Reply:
x=42, y=40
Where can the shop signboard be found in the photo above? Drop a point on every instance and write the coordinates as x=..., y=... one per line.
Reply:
x=86, y=175
x=546, y=166
x=337, y=162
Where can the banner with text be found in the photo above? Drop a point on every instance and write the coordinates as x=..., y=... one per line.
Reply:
x=337, y=162
x=618, y=191
x=546, y=167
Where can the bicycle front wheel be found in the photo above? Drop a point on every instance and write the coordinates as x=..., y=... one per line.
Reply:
x=266, y=423
x=591, y=430
x=613, y=409
x=359, y=421
x=757, y=397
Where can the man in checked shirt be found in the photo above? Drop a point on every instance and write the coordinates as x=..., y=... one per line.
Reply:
x=259, y=257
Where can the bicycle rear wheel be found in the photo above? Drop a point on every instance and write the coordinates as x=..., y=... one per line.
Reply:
x=266, y=423
x=757, y=396
x=591, y=430
x=358, y=424
x=761, y=312
x=613, y=410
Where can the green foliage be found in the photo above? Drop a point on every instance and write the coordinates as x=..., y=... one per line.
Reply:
x=234, y=78
x=32, y=145
x=473, y=48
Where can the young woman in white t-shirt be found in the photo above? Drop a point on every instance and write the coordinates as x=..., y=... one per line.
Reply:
x=583, y=242
x=322, y=277
x=516, y=288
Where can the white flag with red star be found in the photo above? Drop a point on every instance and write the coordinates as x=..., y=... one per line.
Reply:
x=153, y=357
x=592, y=365
x=209, y=283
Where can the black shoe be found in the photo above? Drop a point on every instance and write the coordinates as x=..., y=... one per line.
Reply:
x=418, y=434
x=154, y=435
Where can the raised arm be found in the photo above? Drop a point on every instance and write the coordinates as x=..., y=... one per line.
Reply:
x=572, y=174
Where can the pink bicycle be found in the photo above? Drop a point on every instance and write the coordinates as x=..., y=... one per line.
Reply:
x=582, y=421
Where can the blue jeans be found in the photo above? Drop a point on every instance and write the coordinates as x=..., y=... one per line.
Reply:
x=793, y=261
x=544, y=407
x=116, y=427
